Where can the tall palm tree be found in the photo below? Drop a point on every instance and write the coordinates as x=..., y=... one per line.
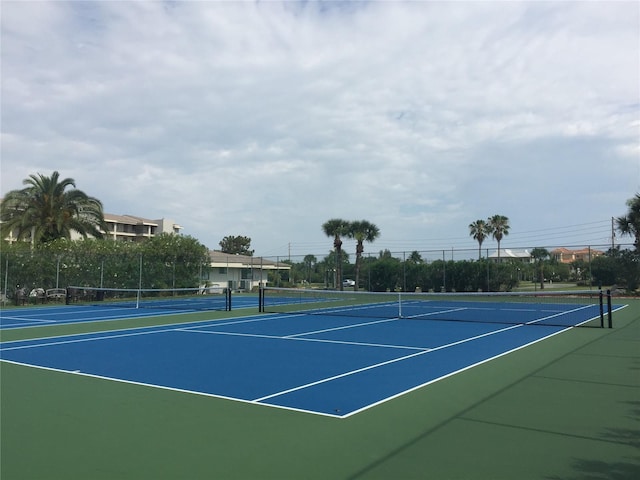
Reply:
x=336, y=228
x=629, y=224
x=362, y=231
x=309, y=263
x=498, y=228
x=479, y=230
x=45, y=210
x=539, y=255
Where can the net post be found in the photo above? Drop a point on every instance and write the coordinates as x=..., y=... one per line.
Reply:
x=261, y=299
x=609, y=308
x=228, y=300
x=601, y=295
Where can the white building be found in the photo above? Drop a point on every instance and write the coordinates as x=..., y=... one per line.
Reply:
x=134, y=229
x=508, y=255
x=239, y=272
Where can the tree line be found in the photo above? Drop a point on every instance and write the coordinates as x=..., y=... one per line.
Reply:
x=410, y=272
x=43, y=214
x=163, y=261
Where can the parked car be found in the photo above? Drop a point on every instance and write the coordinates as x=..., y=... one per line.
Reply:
x=348, y=283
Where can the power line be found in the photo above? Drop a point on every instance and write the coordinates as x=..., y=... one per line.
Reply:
x=581, y=234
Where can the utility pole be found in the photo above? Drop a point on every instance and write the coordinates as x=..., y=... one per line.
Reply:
x=613, y=234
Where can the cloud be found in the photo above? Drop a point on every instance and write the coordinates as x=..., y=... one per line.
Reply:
x=266, y=119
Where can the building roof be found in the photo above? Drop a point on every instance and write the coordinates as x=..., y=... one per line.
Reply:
x=508, y=253
x=229, y=260
x=581, y=251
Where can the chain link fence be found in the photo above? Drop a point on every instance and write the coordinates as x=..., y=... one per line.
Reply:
x=454, y=269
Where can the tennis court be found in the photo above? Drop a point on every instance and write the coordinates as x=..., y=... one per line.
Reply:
x=565, y=407
x=116, y=309
x=331, y=364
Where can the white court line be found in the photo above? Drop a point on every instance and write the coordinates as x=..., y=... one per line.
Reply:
x=27, y=319
x=258, y=401
x=343, y=327
x=450, y=374
x=318, y=340
x=81, y=340
x=171, y=389
x=163, y=328
x=377, y=365
x=559, y=314
x=439, y=312
x=130, y=315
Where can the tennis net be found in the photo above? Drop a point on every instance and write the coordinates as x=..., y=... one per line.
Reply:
x=197, y=298
x=555, y=308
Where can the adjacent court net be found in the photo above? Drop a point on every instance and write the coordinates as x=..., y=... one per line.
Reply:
x=198, y=298
x=571, y=308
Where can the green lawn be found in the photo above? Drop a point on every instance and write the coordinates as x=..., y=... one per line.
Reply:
x=565, y=408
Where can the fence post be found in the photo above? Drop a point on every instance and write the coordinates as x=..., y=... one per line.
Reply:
x=601, y=309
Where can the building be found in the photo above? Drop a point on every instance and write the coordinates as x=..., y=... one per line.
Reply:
x=128, y=228
x=133, y=229
x=508, y=255
x=239, y=272
x=564, y=255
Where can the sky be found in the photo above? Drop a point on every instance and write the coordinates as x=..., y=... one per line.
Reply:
x=266, y=119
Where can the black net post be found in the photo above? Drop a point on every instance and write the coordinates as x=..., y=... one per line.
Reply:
x=261, y=299
x=601, y=309
x=609, y=308
x=228, y=300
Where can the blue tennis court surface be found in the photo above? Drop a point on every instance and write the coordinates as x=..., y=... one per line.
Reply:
x=32, y=316
x=335, y=366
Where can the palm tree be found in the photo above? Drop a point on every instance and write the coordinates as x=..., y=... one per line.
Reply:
x=309, y=263
x=362, y=231
x=479, y=230
x=498, y=228
x=44, y=211
x=336, y=228
x=415, y=257
x=540, y=255
x=629, y=224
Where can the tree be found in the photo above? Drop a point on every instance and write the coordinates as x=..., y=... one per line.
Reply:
x=330, y=265
x=45, y=211
x=164, y=261
x=415, y=257
x=540, y=255
x=336, y=228
x=310, y=262
x=173, y=261
x=479, y=230
x=629, y=224
x=362, y=231
x=236, y=245
x=498, y=228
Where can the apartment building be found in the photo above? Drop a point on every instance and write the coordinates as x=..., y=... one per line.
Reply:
x=128, y=228
x=134, y=229
x=565, y=255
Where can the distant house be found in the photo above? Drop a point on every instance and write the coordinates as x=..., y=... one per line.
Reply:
x=239, y=272
x=564, y=255
x=508, y=255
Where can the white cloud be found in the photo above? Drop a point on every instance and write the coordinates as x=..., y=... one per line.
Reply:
x=266, y=119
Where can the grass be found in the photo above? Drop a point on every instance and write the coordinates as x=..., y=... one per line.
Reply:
x=565, y=408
